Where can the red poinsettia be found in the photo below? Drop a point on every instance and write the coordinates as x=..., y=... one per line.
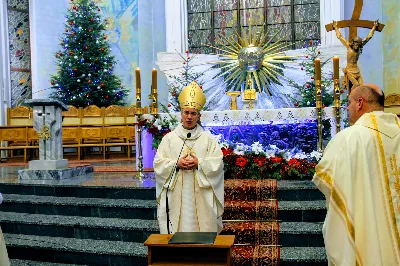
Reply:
x=241, y=162
x=294, y=162
x=276, y=159
x=142, y=123
x=260, y=161
x=226, y=151
x=153, y=130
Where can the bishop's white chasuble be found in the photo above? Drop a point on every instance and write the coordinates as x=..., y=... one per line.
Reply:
x=360, y=177
x=196, y=197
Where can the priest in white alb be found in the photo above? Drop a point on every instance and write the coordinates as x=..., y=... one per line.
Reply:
x=360, y=177
x=189, y=167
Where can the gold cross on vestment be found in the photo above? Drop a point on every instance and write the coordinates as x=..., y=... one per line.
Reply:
x=355, y=22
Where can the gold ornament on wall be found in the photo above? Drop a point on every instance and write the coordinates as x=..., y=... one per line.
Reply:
x=254, y=57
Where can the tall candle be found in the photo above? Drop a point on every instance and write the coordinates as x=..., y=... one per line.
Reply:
x=138, y=84
x=317, y=69
x=154, y=80
x=336, y=67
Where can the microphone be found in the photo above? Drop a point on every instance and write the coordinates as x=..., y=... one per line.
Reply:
x=176, y=169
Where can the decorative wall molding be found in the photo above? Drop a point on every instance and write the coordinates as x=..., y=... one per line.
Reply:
x=392, y=100
x=5, y=83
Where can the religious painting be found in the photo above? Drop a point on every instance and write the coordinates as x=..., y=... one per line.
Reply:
x=122, y=35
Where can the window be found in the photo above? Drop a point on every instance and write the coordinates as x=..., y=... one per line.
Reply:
x=299, y=20
x=20, y=55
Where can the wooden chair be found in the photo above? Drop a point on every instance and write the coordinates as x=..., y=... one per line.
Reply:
x=93, y=136
x=130, y=120
x=71, y=130
x=19, y=116
x=115, y=128
x=71, y=138
x=72, y=116
x=15, y=138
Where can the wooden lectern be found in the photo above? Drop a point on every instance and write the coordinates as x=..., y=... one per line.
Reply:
x=163, y=254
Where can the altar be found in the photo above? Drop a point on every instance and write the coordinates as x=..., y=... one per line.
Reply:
x=286, y=128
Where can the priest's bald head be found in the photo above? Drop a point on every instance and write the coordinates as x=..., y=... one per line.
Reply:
x=363, y=99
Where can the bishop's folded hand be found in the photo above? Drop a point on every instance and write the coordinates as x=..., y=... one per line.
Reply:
x=192, y=161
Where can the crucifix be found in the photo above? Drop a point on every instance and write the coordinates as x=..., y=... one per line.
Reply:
x=352, y=75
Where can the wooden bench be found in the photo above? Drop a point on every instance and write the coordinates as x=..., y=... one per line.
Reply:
x=83, y=128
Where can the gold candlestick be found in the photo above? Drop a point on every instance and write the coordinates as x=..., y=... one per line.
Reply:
x=154, y=81
x=336, y=92
x=154, y=95
x=317, y=63
x=140, y=173
x=139, y=110
x=138, y=113
x=318, y=100
x=234, y=95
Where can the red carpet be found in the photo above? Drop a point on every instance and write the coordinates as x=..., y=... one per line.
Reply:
x=251, y=214
x=256, y=255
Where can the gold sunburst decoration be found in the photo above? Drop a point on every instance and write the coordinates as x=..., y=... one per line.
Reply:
x=252, y=58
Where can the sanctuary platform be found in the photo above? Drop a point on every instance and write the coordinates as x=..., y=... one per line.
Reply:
x=105, y=218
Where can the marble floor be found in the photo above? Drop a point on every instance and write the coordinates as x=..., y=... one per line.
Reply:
x=9, y=174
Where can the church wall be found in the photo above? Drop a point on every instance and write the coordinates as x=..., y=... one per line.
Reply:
x=46, y=25
x=371, y=60
x=152, y=39
x=137, y=34
x=391, y=44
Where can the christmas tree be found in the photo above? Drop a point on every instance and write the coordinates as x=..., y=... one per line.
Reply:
x=305, y=95
x=85, y=66
x=185, y=77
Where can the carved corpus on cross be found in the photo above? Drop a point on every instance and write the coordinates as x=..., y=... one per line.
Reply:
x=352, y=75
